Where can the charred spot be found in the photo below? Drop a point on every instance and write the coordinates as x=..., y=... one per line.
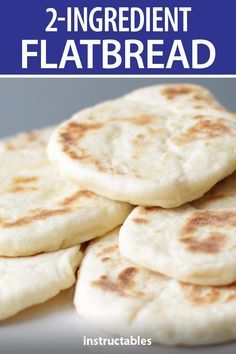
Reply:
x=22, y=184
x=124, y=285
x=105, y=259
x=204, y=129
x=174, y=91
x=19, y=189
x=143, y=120
x=213, y=243
x=199, y=295
x=75, y=131
x=210, y=218
x=107, y=285
x=108, y=250
x=25, y=180
x=104, y=168
x=74, y=197
x=42, y=214
x=72, y=134
x=127, y=275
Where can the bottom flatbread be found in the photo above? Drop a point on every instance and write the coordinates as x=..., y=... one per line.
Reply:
x=32, y=280
x=122, y=298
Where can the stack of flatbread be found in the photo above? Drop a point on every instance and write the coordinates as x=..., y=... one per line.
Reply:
x=147, y=184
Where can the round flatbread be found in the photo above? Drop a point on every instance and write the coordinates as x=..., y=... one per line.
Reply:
x=195, y=243
x=158, y=146
x=122, y=298
x=40, y=211
x=28, y=281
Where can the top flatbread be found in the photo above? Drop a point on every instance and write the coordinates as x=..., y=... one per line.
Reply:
x=120, y=297
x=195, y=243
x=39, y=211
x=158, y=146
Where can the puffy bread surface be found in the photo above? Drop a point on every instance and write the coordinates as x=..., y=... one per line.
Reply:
x=27, y=281
x=123, y=298
x=195, y=243
x=158, y=146
x=39, y=210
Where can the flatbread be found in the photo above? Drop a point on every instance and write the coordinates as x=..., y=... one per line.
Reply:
x=158, y=146
x=195, y=243
x=28, y=281
x=122, y=298
x=39, y=210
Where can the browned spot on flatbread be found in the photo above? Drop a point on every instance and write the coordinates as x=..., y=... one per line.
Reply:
x=198, y=107
x=199, y=295
x=213, y=243
x=75, y=131
x=139, y=140
x=126, y=276
x=22, y=141
x=19, y=189
x=105, y=259
x=108, y=250
x=210, y=218
x=174, y=91
x=231, y=297
x=70, y=136
x=69, y=139
x=140, y=221
x=143, y=120
x=106, y=284
x=101, y=166
x=76, y=196
x=32, y=136
x=204, y=129
x=124, y=285
x=203, y=295
x=22, y=184
x=25, y=180
x=41, y=214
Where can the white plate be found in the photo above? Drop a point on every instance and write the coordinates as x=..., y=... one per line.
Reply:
x=55, y=328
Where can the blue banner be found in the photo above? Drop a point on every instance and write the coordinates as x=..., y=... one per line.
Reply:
x=118, y=37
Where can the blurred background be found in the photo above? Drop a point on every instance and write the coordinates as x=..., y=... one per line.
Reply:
x=34, y=103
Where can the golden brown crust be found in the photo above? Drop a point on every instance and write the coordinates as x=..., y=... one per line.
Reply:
x=204, y=296
x=74, y=197
x=124, y=285
x=107, y=250
x=36, y=215
x=204, y=129
x=22, y=184
x=212, y=243
x=173, y=91
x=126, y=276
x=202, y=218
